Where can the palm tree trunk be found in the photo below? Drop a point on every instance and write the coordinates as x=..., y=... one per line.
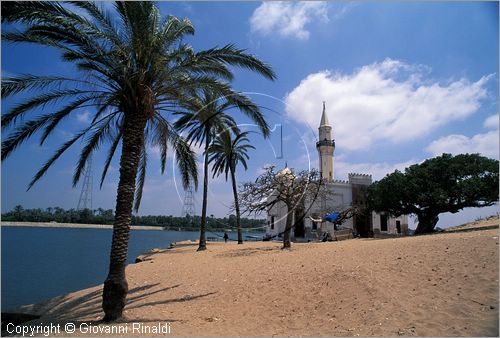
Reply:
x=203, y=225
x=236, y=206
x=115, y=286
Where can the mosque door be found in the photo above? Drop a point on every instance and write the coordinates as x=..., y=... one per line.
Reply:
x=362, y=225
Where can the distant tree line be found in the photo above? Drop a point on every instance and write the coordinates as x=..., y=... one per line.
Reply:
x=102, y=216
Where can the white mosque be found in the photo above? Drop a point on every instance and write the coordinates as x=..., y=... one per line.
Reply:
x=341, y=195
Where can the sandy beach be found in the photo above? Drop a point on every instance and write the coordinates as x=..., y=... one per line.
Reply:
x=438, y=285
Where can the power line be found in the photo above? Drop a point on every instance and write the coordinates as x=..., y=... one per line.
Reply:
x=188, y=205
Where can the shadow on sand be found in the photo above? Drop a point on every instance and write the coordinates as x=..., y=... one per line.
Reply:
x=64, y=309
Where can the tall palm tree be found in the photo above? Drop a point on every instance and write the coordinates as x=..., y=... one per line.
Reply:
x=225, y=153
x=205, y=116
x=133, y=69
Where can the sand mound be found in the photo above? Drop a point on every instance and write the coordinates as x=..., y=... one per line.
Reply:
x=439, y=285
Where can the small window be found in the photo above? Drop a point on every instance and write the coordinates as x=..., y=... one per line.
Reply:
x=383, y=222
x=272, y=222
x=315, y=225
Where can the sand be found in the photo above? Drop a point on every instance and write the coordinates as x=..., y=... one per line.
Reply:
x=439, y=285
x=487, y=223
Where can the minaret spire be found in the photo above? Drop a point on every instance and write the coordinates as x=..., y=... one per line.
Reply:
x=324, y=118
x=326, y=147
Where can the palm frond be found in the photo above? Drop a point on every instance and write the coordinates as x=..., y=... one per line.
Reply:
x=38, y=101
x=141, y=178
x=22, y=133
x=132, y=64
x=231, y=55
x=186, y=161
x=173, y=30
x=57, y=117
x=226, y=152
x=102, y=131
x=35, y=12
x=57, y=154
x=17, y=84
x=109, y=158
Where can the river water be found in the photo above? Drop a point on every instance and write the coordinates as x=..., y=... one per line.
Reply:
x=41, y=263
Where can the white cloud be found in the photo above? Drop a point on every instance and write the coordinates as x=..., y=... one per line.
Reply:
x=287, y=19
x=485, y=144
x=64, y=134
x=491, y=122
x=387, y=101
x=83, y=117
x=260, y=170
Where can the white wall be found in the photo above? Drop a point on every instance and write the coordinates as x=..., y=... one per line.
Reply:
x=391, y=223
x=340, y=193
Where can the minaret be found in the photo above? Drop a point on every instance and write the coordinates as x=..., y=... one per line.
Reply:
x=326, y=147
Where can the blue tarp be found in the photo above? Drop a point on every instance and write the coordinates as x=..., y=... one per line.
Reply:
x=331, y=217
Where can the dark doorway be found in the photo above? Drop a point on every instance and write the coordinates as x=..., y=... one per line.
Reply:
x=398, y=226
x=299, y=229
x=383, y=222
x=362, y=225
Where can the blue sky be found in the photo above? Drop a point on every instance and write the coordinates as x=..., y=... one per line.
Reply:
x=402, y=82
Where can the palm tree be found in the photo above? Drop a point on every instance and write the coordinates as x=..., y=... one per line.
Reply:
x=133, y=69
x=225, y=153
x=206, y=115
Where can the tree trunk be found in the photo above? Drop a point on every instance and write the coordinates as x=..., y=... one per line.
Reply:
x=115, y=285
x=288, y=228
x=426, y=223
x=236, y=206
x=203, y=225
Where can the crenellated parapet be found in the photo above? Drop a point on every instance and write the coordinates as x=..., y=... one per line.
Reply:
x=363, y=179
x=340, y=181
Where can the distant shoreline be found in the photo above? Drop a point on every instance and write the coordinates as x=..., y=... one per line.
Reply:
x=75, y=225
x=108, y=226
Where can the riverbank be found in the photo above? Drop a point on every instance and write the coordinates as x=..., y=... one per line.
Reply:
x=491, y=222
x=108, y=226
x=439, y=285
x=74, y=225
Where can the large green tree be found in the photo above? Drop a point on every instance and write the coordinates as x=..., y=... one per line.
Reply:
x=132, y=69
x=226, y=152
x=207, y=115
x=442, y=184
